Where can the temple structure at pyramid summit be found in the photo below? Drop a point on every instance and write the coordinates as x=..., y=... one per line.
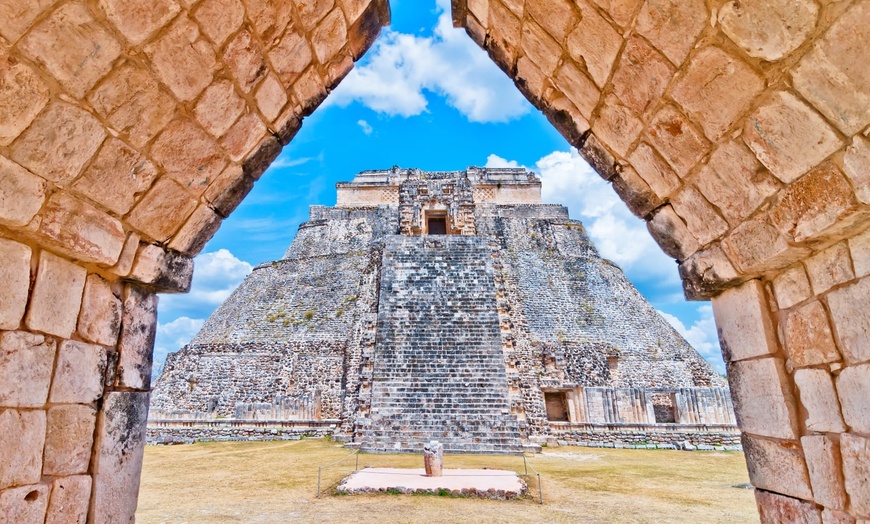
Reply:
x=450, y=306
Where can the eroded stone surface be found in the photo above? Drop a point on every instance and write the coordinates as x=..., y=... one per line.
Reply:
x=22, y=97
x=856, y=470
x=672, y=26
x=26, y=363
x=856, y=165
x=116, y=177
x=823, y=462
x=777, y=509
x=22, y=436
x=808, y=337
x=70, y=497
x=768, y=30
x=184, y=60
x=745, y=328
x=78, y=378
x=15, y=282
x=848, y=306
x=777, y=466
x=100, y=318
x=853, y=386
x=57, y=296
x=68, y=439
x=818, y=397
x=139, y=327
x=137, y=20
x=791, y=286
x=763, y=402
x=25, y=504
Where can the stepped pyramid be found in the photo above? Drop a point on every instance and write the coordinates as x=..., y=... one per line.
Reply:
x=450, y=306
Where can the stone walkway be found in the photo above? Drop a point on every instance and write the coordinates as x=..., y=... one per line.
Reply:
x=487, y=483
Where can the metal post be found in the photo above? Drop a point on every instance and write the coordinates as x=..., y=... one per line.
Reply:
x=540, y=489
x=318, y=481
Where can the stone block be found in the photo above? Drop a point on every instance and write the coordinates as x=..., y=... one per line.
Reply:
x=138, y=20
x=829, y=268
x=791, y=287
x=830, y=75
x=673, y=135
x=100, y=318
x=219, y=18
x=132, y=102
x=579, y=89
x=22, y=96
x=17, y=17
x=641, y=75
x=807, y=336
x=716, y=89
x=22, y=437
x=183, y=59
x=744, y=324
x=859, y=247
x=777, y=509
x=14, y=281
x=672, y=26
x=116, y=176
x=530, y=80
x=853, y=386
x=198, y=230
x=855, y=451
x=654, y=170
x=362, y=34
x=76, y=49
x=69, y=438
x=635, y=192
x=329, y=36
x=621, y=11
x=244, y=58
x=264, y=154
x=118, y=461
x=757, y=246
x=777, y=466
x=313, y=11
x=557, y=17
x=165, y=271
x=290, y=56
x=540, y=48
x=788, y=137
x=848, y=308
x=701, y=218
x=59, y=142
x=80, y=230
x=228, y=190
x=617, y=125
x=78, y=378
x=26, y=363
x=823, y=462
x=163, y=209
x=25, y=504
x=271, y=98
x=336, y=72
x=218, y=107
x=856, y=164
x=128, y=254
x=831, y=516
x=817, y=204
x=707, y=273
x=309, y=91
x=70, y=497
x=762, y=396
x=189, y=155
x=768, y=29
x=671, y=234
x=21, y=194
x=136, y=346
x=595, y=43
x=57, y=296
x=818, y=397
x=504, y=35
x=241, y=139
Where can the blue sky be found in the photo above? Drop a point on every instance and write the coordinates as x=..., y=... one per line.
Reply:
x=424, y=96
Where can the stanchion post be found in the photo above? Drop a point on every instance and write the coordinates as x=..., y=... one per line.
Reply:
x=540, y=489
x=318, y=481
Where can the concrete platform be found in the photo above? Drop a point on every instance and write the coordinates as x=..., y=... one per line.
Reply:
x=486, y=483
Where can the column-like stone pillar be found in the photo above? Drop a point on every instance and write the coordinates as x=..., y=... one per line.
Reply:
x=433, y=458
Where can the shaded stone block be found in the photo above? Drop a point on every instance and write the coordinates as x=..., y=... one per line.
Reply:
x=136, y=345
x=139, y=19
x=763, y=401
x=823, y=462
x=116, y=176
x=183, y=59
x=848, y=306
x=57, y=296
x=768, y=30
x=68, y=439
x=22, y=96
x=818, y=397
x=791, y=286
x=855, y=451
x=22, y=437
x=70, y=497
x=743, y=321
x=15, y=282
x=853, y=386
x=26, y=363
x=672, y=26
x=808, y=338
x=777, y=466
x=25, y=504
x=79, y=373
x=776, y=509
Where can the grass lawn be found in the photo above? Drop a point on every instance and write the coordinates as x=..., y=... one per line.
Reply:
x=254, y=482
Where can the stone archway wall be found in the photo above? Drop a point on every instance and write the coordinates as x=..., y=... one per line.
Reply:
x=738, y=130
x=128, y=131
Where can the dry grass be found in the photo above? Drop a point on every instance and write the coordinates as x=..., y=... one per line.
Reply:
x=276, y=482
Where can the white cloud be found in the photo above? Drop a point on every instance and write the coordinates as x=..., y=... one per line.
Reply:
x=365, y=126
x=401, y=68
x=172, y=336
x=215, y=276
x=701, y=335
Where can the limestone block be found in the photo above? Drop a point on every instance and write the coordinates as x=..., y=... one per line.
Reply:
x=853, y=385
x=22, y=437
x=504, y=35
x=312, y=12
x=595, y=43
x=309, y=90
x=848, y=308
x=163, y=209
x=671, y=234
x=622, y=11
x=165, y=271
x=829, y=268
x=189, y=155
x=673, y=135
x=530, y=80
x=183, y=59
x=776, y=509
x=744, y=324
x=701, y=218
x=762, y=396
x=70, y=497
x=808, y=338
x=57, y=296
x=433, y=459
x=241, y=139
x=22, y=96
x=716, y=89
x=768, y=30
x=672, y=26
x=579, y=89
x=128, y=254
x=788, y=137
x=617, y=125
x=26, y=362
x=557, y=17
x=118, y=460
x=18, y=17
x=817, y=395
x=219, y=18
x=791, y=287
x=264, y=154
x=831, y=76
x=859, y=246
x=137, y=20
x=856, y=165
x=100, y=318
x=116, y=176
x=291, y=55
x=329, y=36
x=21, y=194
x=540, y=48
x=131, y=100
x=74, y=47
x=244, y=58
x=78, y=378
x=777, y=466
x=228, y=190
x=831, y=516
x=635, y=192
x=25, y=504
x=59, y=142
x=136, y=346
x=218, y=107
x=271, y=97
x=641, y=75
x=706, y=273
x=856, y=470
x=823, y=462
x=76, y=228
x=14, y=281
x=654, y=170
x=364, y=31
x=198, y=230
x=68, y=439
x=756, y=246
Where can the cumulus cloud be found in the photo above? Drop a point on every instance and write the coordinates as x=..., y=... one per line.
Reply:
x=172, y=336
x=401, y=68
x=365, y=126
x=701, y=335
x=215, y=276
